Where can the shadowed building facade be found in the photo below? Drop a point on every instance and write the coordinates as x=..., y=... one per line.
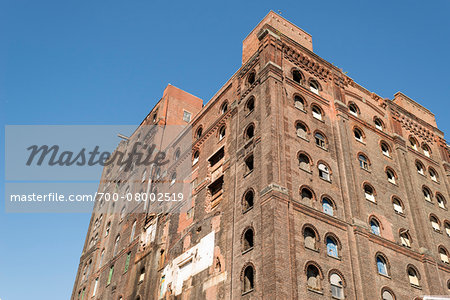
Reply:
x=305, y=185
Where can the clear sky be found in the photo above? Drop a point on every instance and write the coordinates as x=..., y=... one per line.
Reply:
x=107, y=62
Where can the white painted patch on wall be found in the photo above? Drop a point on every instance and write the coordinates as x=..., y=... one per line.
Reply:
x=191, y=262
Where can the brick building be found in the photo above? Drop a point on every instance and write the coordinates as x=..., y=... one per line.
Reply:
x=305, y=185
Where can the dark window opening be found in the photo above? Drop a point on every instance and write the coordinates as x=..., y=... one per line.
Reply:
x=217, y=157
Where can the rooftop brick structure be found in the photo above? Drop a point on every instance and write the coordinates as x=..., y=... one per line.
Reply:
x=305, y=185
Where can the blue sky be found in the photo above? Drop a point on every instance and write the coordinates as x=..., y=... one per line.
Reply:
x=107, y=62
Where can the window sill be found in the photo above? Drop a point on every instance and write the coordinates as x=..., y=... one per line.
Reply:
x=437, y=182
x=359, y=141
x=247, y=250
x=393, y=183
x=372, y=201
x=300, y=109
x=312, y=249
x=367, y=170
x=384, y=275
x=437, y=230
x=305, y=170
x=388, y=156
x=416, y=286
x=247, y=292
x=323, y=148
x=320, y=120
x=303, y=138
x=249, y=113
x=320, y=292
x=248, y=173
x=326, y=180
x=335, y=257
x=247, y=210
x=400, y=214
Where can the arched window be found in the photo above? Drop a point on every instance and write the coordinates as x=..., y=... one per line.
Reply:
x=314, y=86
x=441, y=200
x=177, y=154
x=378, y=123
x=250, y=132
x=248, y=200
x=398, y=206
x=142, y=275
x=433, y=174
x=304, y=162
x=358, y=135
x=413, y=276
x=222, y=133
x=224, y=108
x=435, y=223
x=310, y=238
x=173, y=178
x=385, y=149
x=313, y=277
x=327, y=206
x=249, y=283
x=382, y=265
x=195, y=157
x=390, y=174
x=251, y=78
x=297, y=76
x=443, y=254
x=324, y=172
x=299, y=102
x=363, y=162
x=426, y=194
x=420, y=167
x=199, y=132
x=337, y=287
x=405, y=239
x=249, y=163
x=123, y=211
x=248, y=240
x=426, y=150
x=375, y=227
x=307, y=194
x=116, y=245
x=316, y=112
x=332, y=247
x=133, y=231
x=387, y=295
x=250, y=105
x=100, y=261
x=353, y=109
x=447, y=228
x=369, y=192
x=302, y=130
x=320, y=140
x=413, y=143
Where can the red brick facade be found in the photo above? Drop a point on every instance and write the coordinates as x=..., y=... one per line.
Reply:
x=329, y=164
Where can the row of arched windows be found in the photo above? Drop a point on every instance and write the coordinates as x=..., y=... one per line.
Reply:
x=306, y=163
x=312, y=84
x=316, y=110
x=328, y=205
x=431, y=171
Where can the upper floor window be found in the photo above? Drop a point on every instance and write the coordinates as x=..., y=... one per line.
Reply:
x=353, y=109
x=248, y=200
x=133, y=231
x=250, y=105
x=359, y=136
x=314, y=86
x=420, y=167
x=433, y=174
x=116, y=245
x=324, y=172
x=382, y=265
x=378, y=123
x=310, y=238
x=299, y=102
x=249, y=132
x=435, y=223
x=369, y=192
x=320, y=140
x=199, y=132
x=327, y=206
x=426, y=150
x=177, y=154
x=187, y=116
x=443, y=254
x=337, y=287
x=304, y=162
x=248, y=282
x=224, y=108
x=110, y=275
x=413, y=143
x=363, y=162
x=441, y=201
x=426, y=193
x=297, y=76
x=195, y=157
x=398, y=206
x=387, y=295
x=375, y=226
x=413, y=276
x=332, y=247
x=405, y=239
x=251, y=78
x=248, y=239
x=313, y=277
x=447, y=228
x=222, y=133
x=302, y=130
x=306, y=194
x=385, y=149
x=316, y=112
x=390, y=174
x=173, y=178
